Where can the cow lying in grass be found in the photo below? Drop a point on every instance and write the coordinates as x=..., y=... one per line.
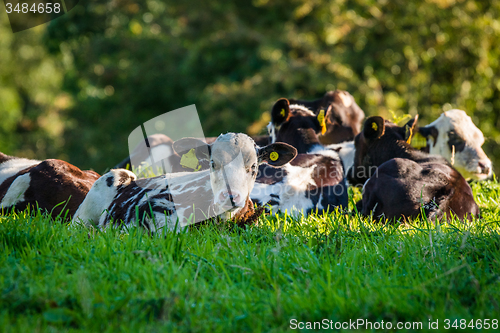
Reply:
x=163, y=202
x=455, y=137
x=314, y=180
x=302, y=128
x=401, y=182
x=342, y=122
x=309, y=183
x=52, y=185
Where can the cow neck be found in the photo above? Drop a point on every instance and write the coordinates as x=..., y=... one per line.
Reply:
x=308, y=142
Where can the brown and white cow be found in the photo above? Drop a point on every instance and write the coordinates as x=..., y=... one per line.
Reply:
x=343, y=119
x=455, y=137
x=401, y=182
x=51, y=185
x=161, y=202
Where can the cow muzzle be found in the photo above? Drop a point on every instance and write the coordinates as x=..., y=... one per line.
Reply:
x=230, y=200
x=484, y=169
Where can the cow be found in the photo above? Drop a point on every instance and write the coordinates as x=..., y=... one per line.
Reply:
x=343, y=120
x=455, y=137
x=314, y=180
x=166, y=202
x=296, y=125
x=301, y=128
x=337, y=127
x=401, y=182
x=346, y=152
x=52, y=185
x=309, y=183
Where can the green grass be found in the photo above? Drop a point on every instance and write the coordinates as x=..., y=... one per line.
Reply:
x=216, y=279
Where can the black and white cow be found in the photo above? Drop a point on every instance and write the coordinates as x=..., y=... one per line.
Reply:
x=455, y=137
x=310, y=183
x=314, y=180
x=51, y=185
x=161, y=202
x=302, y=128
x=400, y=182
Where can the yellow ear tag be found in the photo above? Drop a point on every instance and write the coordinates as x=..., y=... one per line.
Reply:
x=321, y=119
x=418, y=141
x=282, y=113
x=190, y=161
x=374, y=126
x=408, y=134
x=274, y=156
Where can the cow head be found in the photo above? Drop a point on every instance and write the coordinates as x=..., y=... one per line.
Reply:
x=234, y=160
x=379, y=141
x=295, y=125
x=455, y=137
x=343, y=119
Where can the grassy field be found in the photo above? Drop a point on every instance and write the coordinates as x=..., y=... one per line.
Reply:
x=272, y=277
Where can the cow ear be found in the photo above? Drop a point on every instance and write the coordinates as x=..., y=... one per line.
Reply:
x=190, y=149
x=429, y=132
x=409, y=129
x=374, y=128
x=322, y=118
x=280, y=111
x=276, y=154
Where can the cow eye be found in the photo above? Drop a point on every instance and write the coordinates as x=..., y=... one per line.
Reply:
x=254, y=166
x=454, y=138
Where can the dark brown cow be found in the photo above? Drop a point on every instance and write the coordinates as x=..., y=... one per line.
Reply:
x=400, y=181
x=52, y=185
x=344, y=118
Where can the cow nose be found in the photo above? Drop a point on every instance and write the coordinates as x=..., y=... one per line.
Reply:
x=234, y=197
x=484, y=167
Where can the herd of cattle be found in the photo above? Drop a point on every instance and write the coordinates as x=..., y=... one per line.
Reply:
x=314, y=151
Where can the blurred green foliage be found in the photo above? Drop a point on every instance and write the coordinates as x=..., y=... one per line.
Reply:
x=76, y=87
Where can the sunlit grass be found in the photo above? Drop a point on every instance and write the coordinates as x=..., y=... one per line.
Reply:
x=336, y=266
